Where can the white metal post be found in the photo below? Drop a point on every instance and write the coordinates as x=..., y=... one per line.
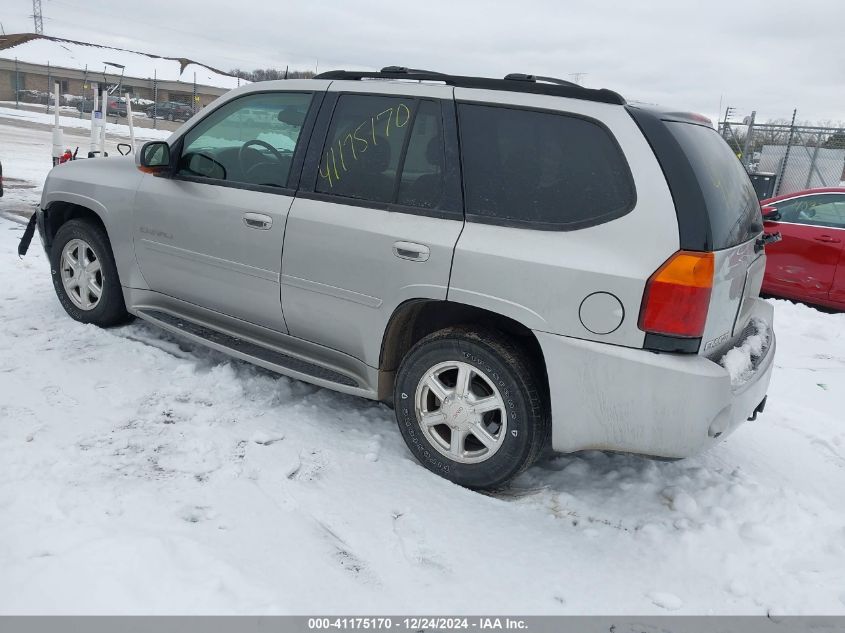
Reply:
x=131, y=123
x=105, y=108
x=95, y=126
x=58, y=137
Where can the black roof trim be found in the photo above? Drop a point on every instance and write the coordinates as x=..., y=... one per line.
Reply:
x=513, y=82
x=690, y=206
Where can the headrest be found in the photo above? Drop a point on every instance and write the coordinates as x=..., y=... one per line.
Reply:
x=376, y=158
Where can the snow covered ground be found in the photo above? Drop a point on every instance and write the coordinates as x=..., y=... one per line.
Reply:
x=10, y=115
x=142, y=474
x=26, y=148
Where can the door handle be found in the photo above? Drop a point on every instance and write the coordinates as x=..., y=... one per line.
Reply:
x=411, y=251
x=258, y=221
x=827, y=239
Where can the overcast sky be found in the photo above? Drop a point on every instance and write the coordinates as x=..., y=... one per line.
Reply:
x=771, y=56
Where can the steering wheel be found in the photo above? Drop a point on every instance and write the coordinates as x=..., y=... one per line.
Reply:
x=241, y=153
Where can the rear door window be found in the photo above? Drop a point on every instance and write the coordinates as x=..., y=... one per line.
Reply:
x=732, y=205
x=384, y=149
x=424, y=165
x=541, y=169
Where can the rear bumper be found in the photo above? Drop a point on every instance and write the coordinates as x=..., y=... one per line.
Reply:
x=669, y=405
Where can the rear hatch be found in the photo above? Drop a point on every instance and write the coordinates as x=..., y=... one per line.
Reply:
x=717, y=211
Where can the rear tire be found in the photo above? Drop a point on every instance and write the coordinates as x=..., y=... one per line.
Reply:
x=85, y=276
x=468, y=404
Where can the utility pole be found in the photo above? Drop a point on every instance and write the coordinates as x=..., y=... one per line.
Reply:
x=748, y=146
x=37, y=17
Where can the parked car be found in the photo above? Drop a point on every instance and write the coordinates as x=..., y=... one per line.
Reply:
x=33, y=96
x=116, y=106
x=808, y=264
x=171, y=111
x=571, y=272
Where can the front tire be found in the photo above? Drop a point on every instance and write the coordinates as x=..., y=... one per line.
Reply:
x=468, y=405
x=85, y=276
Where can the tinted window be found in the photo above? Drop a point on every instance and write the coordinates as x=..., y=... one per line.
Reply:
x=250, y=140
x=544, y=169
x=364, y=145
x=384, y=149
x=729, y=196
x=820, y=210
x=422, y=172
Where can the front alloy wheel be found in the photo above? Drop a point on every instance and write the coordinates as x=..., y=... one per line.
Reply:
x=82, y=274
x=85, y=275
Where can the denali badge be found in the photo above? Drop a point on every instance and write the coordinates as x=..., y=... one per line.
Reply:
x=716, y=341
x=149, y=231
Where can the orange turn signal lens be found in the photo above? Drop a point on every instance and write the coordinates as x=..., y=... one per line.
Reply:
x=677, y=296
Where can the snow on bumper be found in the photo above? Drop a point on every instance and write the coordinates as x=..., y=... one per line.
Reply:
x=669, y=405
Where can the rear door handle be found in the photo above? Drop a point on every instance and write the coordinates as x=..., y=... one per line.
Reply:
x=827, y=238
x=258, y=221
x=411, y=251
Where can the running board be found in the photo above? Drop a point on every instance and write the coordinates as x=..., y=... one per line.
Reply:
x=252, y=352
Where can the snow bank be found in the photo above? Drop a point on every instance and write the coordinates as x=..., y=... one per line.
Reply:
x=11, y=115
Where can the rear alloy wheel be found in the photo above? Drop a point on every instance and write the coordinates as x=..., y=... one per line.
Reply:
x=468, y=405
x=460, y=412
x=85, y=275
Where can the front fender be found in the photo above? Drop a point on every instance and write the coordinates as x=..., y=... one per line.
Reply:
x=104, y=187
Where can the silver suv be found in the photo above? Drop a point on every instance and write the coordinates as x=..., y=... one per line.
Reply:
x=511, y=263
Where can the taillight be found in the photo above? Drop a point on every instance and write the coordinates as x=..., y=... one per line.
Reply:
x=677, y=295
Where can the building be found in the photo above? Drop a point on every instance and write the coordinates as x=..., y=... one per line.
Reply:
x=30, y=62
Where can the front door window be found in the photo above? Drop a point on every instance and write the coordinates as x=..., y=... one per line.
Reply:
x=250, y=140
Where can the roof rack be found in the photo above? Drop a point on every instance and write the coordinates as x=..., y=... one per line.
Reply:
x=515, y=82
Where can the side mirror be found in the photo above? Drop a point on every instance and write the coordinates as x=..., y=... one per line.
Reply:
x=770, y=214
x=154, y=157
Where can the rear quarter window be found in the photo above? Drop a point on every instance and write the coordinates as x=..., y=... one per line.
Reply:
x=541, y=169
x=729, y=196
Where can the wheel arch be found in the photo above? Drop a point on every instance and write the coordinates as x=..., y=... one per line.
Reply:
x=417, y=318
x=61, y=210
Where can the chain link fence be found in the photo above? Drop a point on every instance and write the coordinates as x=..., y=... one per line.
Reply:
x=784, y=156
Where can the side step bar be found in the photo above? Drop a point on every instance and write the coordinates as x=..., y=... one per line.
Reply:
x=252, y=352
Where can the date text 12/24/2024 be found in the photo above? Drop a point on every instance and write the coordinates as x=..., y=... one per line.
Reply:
x=417, y=623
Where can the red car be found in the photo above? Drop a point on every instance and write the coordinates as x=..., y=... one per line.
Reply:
x=808, y=264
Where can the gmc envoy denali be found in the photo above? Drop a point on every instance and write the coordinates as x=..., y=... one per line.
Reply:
x=511, y=263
